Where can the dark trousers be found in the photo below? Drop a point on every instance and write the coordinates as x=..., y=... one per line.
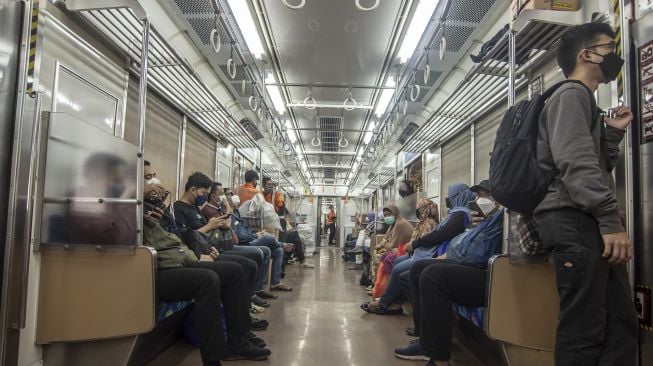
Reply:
x=332, y=233
x=209, y=284
x=598, y=324
x=410, y=282
x=252, y=264
x=250, y=268
x=441, y=285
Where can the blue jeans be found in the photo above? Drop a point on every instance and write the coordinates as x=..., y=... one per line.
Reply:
x=276, y=253
x=392, y=292
x=265, y=259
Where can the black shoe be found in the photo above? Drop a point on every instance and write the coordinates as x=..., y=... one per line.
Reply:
x=260, y=302
x=244, y=349
x=266, y=295
x=412, y=352
x=212, y=364
x=258, y=325
x=410, y=332
x=258, y=341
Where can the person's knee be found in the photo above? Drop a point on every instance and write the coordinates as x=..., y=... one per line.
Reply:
x=432, y=275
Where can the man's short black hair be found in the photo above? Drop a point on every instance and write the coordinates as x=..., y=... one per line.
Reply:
x=266, y=180
x=146, y=163
x=198, y=180
x=577, y=38
x=250, y=176
x=214, y=187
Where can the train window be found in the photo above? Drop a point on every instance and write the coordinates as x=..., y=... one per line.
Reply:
x=75, y=95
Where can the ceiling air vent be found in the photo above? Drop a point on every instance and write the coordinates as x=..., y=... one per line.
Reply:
x=251, y=129
x=408, y=132
x=330, y=132
x=287, y=173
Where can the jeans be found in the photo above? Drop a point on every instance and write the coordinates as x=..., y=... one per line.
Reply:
x=256, y=254
x=393, y=290
x=332, y=233
x=598, y=324
x=209, y=284
x=441, y=285
x=276, y=254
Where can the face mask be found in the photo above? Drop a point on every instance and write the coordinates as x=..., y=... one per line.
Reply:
x=447, y=202
x=154, y=180
x=389, y=220
x=117, y=189
x=486, y=205
x=201, y=200
x=610, y=66
x=222, y=198
x=235, y=200
x=403, y=193
x=268, y=190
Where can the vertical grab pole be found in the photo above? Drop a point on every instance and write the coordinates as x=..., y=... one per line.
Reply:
x=142, y=99
x=511, y=102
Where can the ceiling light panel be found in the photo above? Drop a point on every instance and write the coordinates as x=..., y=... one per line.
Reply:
x=247, y=26
x=418, y=23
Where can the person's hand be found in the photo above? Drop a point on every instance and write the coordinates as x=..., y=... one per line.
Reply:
x=155, y=214
x=409, y=246
x=206, y=258
x=618, y=249
x=225, y=222
x=477, y=218
x=287, y=247
x=622, y=117
x=156, y=190
x=214, y=253
x=260, y=234
x=214, y=222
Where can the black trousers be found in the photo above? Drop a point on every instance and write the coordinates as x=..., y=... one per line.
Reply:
x=332, y=233
x=292, y=237
x=598, y=324
x=441, y=285
x=208, y=284
x=251, y=263
x=410, y=281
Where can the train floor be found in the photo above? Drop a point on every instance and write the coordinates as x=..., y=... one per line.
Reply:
x=320, y=323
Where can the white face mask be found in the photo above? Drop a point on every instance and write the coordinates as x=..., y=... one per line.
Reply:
x=486, y=205
x=222, y=198
x=154, y=180
x=235, y=200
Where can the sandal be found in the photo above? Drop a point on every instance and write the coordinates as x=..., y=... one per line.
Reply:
x=366, y=307
x=281, y=287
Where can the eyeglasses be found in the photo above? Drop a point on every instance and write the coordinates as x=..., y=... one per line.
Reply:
x=611, y=45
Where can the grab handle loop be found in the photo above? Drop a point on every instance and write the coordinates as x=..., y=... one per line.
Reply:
x=414, y=92
x=362, y=8
x=294, y=7
x=349, y=103
x=316, y=141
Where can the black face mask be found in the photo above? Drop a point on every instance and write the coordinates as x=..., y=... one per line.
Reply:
x=403, y=193
x=610, y=66
x=447, y=202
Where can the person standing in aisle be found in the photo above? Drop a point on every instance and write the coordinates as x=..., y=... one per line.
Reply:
x=331, y=225
x=598, y=324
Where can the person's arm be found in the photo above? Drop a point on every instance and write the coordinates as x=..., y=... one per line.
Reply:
x=454, y=226
x=187, y=217
x=613, y=137
x=569, y=120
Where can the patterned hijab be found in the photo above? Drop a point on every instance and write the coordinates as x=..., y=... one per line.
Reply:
x=428, y=215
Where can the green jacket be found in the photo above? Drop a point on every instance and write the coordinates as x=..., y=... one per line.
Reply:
x=171, y=252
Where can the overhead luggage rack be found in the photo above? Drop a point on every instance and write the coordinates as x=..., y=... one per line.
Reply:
x=486, y=85
x=278, y=176
x=383, y=177
x=170, y=75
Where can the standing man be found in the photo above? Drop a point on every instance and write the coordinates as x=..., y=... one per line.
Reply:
x=331, y=225
x=248, y=190
x=579, y=217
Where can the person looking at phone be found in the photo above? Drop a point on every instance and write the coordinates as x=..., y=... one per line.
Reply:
x=484, y=204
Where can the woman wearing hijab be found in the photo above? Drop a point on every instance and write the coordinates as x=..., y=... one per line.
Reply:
x=425, y=244
x=399, y=231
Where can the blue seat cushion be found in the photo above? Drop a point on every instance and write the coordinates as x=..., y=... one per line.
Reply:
x=167, y=309
x=474, y=315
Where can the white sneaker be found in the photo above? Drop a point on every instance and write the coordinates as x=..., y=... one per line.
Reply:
x=307, y=265
x=255, y=309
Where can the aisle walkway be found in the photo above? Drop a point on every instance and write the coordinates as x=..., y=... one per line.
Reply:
x=319, y=323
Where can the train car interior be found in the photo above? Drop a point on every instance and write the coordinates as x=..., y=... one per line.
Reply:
x=326, y=182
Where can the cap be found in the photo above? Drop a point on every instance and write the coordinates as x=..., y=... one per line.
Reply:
x=483, y=185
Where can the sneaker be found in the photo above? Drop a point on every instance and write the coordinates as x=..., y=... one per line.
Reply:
x=259, y=324
x=256, y=309
x=260, y=302
x=244, y=349
x=412, y=352
x=307, y=265
x=258, y=341
x=266, y=295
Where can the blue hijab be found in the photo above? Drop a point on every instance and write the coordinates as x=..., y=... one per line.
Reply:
x=459, y=195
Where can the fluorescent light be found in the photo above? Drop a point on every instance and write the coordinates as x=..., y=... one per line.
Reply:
x=292, y=136
x=418, y=23
x=247, y=27
x=331, y=105
x=384, y=100
x=275, y=94
x=368, y=137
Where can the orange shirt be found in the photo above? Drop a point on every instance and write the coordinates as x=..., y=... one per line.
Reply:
x=279, y=203
x=330, y=217
x=246, y=192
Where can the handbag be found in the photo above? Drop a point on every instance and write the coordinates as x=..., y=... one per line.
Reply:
x=524, y=243
x=475, y=247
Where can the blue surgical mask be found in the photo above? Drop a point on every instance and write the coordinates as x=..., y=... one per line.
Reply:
x=201, y=200
x=389, y=220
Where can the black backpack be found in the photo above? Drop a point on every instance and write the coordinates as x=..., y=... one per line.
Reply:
x=516, y=180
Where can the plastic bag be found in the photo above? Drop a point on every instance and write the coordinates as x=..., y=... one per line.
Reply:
x=306, y=235
x=259, y=214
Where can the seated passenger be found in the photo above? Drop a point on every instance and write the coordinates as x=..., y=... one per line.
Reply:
x=217, y=206
x=399, y=232
x=188, y=217
x=465, y=286
x=249, y=237
x=181, y=276
x=390, y=302
x=248, y=190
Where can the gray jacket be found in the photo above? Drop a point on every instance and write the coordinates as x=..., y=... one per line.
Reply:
x=569, y=141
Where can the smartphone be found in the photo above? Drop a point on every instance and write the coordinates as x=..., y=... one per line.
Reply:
x=474, y=207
